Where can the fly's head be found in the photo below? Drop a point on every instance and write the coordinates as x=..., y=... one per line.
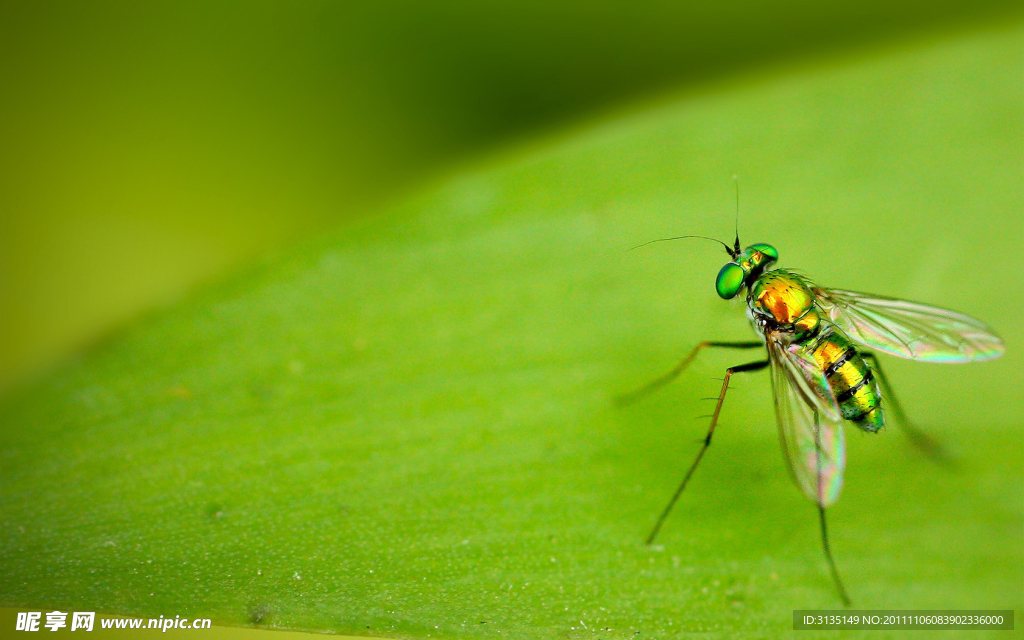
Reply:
x=745, y=267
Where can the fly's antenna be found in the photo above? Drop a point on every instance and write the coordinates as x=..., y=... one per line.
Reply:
x=736, y=247
x=727, y=249
x=733, y=251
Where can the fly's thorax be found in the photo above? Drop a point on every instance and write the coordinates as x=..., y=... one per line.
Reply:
x=784, y=298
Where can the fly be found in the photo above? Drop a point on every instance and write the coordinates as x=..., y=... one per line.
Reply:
x=821, y=347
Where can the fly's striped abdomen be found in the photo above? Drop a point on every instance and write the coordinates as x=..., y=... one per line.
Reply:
x=848, y=375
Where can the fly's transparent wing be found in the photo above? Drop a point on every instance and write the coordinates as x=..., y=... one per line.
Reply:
x=809, y=421
x=801, y=370
x=908, y=329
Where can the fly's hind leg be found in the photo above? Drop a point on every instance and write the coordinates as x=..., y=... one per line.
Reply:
x=651, y=387
x=750, y=366
x=828, y=556
x=821, y=515
x=918, y=438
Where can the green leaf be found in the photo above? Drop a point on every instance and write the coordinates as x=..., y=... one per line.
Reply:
x=408, y=429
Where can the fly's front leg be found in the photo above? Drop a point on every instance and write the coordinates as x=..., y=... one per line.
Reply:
x=750, y=366
x=646, y=390
x=918, y=438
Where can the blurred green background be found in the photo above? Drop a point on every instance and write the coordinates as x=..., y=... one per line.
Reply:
x=148, y=147
x=389, y=409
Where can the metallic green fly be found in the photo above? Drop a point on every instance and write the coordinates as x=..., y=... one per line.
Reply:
x=822, y=375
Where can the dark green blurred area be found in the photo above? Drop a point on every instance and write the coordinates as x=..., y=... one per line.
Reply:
x=147, y=147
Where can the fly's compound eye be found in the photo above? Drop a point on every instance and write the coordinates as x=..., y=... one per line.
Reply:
x=770, y=252
x=730, y=280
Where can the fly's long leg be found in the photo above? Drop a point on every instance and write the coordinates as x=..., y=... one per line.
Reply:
x=821, y=516
x=646, y=390
x=750, y=366
x=918, y=438
x=828, y=556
